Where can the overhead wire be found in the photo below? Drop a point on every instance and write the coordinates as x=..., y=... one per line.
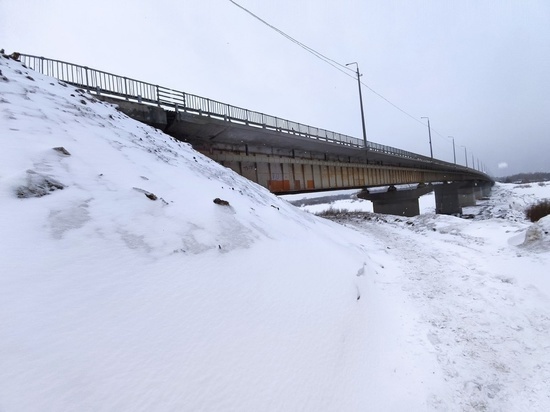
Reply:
x=338, y=66
x=328, y=60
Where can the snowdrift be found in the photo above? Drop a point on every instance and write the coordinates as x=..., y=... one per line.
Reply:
x=125, y=287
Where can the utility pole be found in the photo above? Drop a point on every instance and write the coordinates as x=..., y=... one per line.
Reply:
x=429, y=136
x=361, y=105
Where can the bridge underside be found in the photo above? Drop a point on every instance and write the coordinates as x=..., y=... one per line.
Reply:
x=286, y=162
x=290, y=163
x=300, y=165
x=282, y=175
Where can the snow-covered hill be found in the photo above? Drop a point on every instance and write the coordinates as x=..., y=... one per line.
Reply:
x=124, y=285
x=110, y=300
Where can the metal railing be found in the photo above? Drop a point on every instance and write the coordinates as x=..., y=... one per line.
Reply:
x=112, y=85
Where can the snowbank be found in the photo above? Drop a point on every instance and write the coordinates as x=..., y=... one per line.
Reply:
x=125, y=287
x=537, y=236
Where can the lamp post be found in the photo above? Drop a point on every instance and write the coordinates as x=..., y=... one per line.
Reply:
x=429, y=136
x=454, y=152
x=465, y=155
x=361, y=105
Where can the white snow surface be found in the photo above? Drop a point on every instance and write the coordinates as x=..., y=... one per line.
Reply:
x=112, y=301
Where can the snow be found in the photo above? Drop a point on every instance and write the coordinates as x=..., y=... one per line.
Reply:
x=479, y=291
x=110, y=300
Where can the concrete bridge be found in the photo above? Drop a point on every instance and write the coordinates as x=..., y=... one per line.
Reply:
x=281, y=155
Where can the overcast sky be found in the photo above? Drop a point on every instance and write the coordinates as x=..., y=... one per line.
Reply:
x=480, y=70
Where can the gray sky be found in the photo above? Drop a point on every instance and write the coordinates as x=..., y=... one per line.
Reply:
x=479, y=69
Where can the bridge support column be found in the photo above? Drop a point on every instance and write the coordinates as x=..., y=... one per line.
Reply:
x=486, y=189
x=396, y=202
x=478, y=192
x=467, y=195
x=447, y=200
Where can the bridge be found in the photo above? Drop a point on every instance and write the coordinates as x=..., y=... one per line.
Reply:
x=282, y=155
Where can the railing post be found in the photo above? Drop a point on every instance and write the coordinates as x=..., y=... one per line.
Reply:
x=158, y=96
x=126, y=87
x=87, y=81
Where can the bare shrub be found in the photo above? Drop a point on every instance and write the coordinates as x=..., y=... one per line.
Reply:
x=538, y=210
x=332, y=212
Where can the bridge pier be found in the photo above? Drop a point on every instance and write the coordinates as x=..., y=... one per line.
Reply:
x=486, y=189
x=478, y=190
x=467, y=195
x=447, y=199
x=396, y=202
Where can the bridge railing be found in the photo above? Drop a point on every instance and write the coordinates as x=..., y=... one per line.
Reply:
x=104, y=83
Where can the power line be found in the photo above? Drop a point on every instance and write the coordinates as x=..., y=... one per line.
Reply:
x=338, y=66
x=320, y=56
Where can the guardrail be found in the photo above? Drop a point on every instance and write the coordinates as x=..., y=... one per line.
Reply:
x=103, y=83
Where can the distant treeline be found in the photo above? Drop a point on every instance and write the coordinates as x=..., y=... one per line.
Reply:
x=526, y=178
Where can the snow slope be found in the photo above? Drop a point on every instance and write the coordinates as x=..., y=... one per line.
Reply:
x=112, y=301
x=124, y=287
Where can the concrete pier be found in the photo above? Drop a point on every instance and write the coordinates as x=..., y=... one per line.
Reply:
x=447, y=201
x=467, y=195
x=486, y=189
x=396, y=202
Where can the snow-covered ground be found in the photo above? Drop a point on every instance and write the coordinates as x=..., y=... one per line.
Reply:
x=472, y=299
x=125, y=287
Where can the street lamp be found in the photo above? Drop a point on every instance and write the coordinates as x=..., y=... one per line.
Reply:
x=454, y=152
x=465, y=155
x=361, y=105
x=430, y=136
